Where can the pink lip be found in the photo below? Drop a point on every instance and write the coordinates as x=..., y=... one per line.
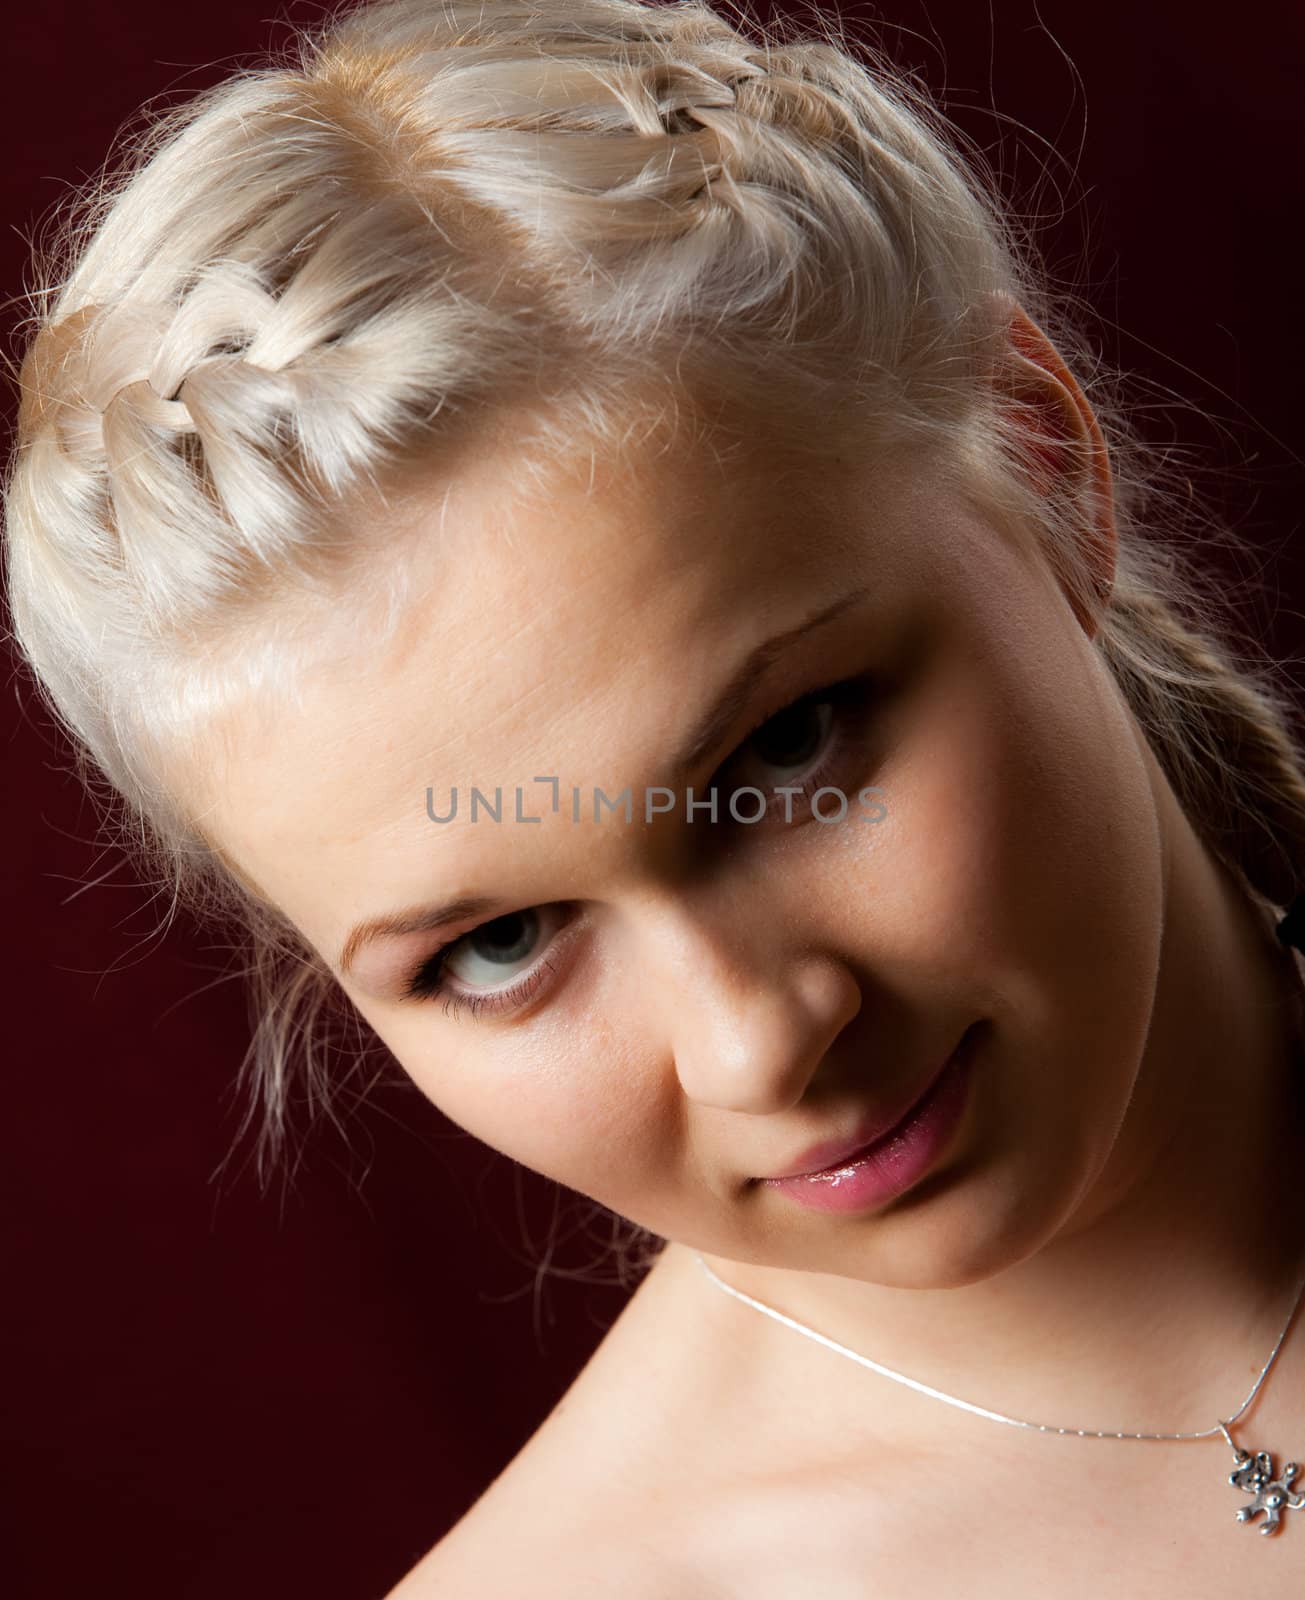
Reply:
x=860, y=1171
x=831, y=1153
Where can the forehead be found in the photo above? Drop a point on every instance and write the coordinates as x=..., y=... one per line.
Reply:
x=571, y=633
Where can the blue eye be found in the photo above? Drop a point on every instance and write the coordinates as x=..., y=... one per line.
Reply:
x=497, y=965
x=490, y=954
x=807, y=744
x=792, y=739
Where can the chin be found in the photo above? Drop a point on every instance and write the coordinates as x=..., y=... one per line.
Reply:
x=953, y=1238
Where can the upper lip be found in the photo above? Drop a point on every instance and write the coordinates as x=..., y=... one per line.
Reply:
x=830, y=1152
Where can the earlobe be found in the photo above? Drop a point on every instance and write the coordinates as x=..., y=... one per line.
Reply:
x=1061, y=438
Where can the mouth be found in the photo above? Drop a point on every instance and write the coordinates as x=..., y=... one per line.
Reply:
x=878, y=1162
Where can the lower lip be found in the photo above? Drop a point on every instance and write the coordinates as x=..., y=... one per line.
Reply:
x=890, y=1165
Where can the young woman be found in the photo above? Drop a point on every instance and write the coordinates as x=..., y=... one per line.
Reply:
x=577, y=521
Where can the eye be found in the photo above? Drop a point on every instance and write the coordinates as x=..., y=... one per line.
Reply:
x=790, y=741
x=493, y=953
x=812, y=742
x=498, y=965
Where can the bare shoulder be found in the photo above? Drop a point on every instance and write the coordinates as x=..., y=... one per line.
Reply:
x=495, y=1551
x=588, y=1506
x=546, y=1527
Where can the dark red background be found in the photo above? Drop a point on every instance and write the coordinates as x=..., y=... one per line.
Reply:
x=210, y=1393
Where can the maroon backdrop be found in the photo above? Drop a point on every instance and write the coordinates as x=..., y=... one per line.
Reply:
x=210, y=1392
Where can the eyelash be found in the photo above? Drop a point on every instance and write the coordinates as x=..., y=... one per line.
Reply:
x=428, y=981
x=850, y=698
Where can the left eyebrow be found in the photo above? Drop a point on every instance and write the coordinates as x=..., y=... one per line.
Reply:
x=708, y=734
x=715, y=724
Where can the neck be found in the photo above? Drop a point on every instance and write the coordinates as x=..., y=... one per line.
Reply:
x=1157, y=1302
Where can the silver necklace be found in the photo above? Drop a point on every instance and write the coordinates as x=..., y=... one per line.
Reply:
x=1252, y=1472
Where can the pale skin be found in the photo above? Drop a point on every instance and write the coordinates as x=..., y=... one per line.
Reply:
x=1101, y=1245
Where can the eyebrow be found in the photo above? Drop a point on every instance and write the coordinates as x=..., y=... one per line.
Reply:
x=712, y=728
x=708, y=734
x=418, y=919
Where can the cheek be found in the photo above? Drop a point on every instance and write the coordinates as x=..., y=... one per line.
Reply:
x=573, y=1096
x=609, y=1100
x=1031, y=856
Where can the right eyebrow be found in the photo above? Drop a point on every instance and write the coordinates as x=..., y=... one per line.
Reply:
x=416, y=919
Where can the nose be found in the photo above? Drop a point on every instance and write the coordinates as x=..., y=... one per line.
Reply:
x=749, y=1012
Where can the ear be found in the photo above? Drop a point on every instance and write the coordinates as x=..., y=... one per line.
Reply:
x=1062, y=442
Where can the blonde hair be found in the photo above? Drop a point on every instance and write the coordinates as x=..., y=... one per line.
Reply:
x=332, y=275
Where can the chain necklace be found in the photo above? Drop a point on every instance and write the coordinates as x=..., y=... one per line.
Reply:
x=1252, y=1472
x=1271, y=1493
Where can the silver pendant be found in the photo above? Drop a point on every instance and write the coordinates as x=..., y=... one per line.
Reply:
x=1272, y=1494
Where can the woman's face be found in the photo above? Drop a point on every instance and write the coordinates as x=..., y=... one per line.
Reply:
x=657, y=1013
